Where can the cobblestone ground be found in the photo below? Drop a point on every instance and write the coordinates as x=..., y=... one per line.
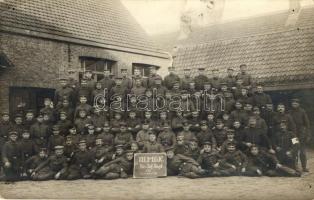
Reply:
x=169, y=188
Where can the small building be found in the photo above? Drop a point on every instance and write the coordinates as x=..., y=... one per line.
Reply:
x=41, y=40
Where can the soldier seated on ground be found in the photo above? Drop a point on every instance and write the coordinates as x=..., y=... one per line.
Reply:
x=178, y=164
x=54, y=167
x=120, y=167
x=263, y=163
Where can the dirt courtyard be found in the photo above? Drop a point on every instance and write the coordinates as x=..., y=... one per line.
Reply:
x=169, y=188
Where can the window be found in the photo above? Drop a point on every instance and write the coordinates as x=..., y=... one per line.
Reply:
x=97, y=66
x=143, y=67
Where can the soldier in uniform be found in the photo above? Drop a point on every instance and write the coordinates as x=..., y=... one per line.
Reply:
x=138, y=89
x=5, y=126
x=254, y=135
x=64, y=124
x=40, y=132
x=65, y=107
x=18, y=123
x=33, y=162
x=230, y=79
x=166, y=137
x=138, y=75
x=28, y=148
x=205, y=135
x=260, y=98
x=142, y=136
x=187, y=79
x=54, y=167
x=215, y=81
x=88, y=75
x=120, y=167
x=49, y=110
x=178, y=164
x=29, y=119
x=200, y=79
x=302, y=124
x=219, y=133
x=12, y=158
x=186, y=133
x=262, y=163
x=126, y=81
x=152, y=77
x=63, y=92
x=209, y=159
x=171, y=78
x=152, y=145
x=83, y=105
x=55, y=138
x=286, y=150
x=123, y=137
x=247, y=78
x=280, y=115
x=82, y=121
x=82, y=163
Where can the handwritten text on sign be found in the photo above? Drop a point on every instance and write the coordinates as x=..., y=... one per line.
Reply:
x=150, y=165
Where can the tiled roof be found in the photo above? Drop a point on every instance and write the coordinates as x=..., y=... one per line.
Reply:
x=283, y=56
x=104, y=23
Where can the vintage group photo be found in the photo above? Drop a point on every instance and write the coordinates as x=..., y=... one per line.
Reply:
x=157, y=99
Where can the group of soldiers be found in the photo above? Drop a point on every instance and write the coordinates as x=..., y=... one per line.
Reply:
x=72, y=137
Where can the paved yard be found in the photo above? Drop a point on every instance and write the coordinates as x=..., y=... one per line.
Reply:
x=169, y=188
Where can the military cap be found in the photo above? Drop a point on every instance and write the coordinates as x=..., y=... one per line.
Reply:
x=43, y=150
x=55, y=127
x=83, y=95
x=256, y=108
x=171, y=68
x=41, y=114
x=283, y=121
x=201, y=68
x=166, y=124
x=152, y=67
x=73, y=127
x=81, y=109
x=176, y=82
x=228, y=94
x=187, y=69
x=5, y=113
x=63, y=79
x=151, y=133
x=252, y=118
x=203, y=122
x=124, y=69
x=82, y=141
x=13, y=133
x=88, y=71
x=214, y=70
x=71, y=71
x=223, y=83
x=118, y=78
x=193, y=140
x=194, y=112
x=207, y=143
x=25, y=131
x=47, y=99
x=185, y=122
x=119, y=146
x=18, y=115
x=90, y=126
x=231, y=69
x=68, y=137
x=122, y=124
x=184, y=92
x=106, y=124
x=99, y=137
x=63, y=112
x=169, y=149
x=59, y=147
x=296, y=100
x=230, y=131
x=129, y=151
x=30, y=111
x=219, y=121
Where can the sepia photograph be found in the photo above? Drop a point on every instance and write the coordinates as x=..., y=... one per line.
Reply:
x=157, y=99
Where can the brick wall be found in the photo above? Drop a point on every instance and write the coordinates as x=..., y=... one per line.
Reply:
x=38, y=62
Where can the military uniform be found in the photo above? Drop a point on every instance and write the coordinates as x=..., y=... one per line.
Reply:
x=40, y=133
x=12, y=158
x=166, y=138
x=170, y=79
x=200, y=79
x=55, y=164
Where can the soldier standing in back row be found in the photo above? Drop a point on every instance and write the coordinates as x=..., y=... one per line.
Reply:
x=170, y=78
x=200, y=79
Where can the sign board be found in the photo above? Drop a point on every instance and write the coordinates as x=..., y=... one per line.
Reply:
x=150, y=165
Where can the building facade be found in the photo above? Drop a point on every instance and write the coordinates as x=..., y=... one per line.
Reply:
x=43, y=40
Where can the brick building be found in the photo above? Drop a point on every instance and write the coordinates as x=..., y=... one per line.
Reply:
x=42, y=39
